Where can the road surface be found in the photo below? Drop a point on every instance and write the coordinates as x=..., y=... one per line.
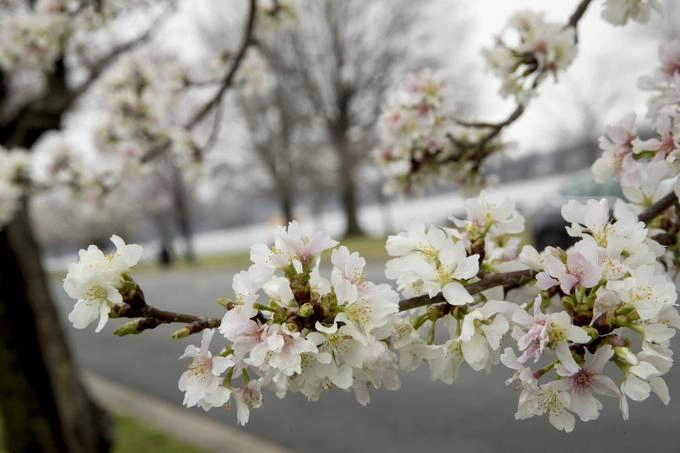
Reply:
x=473, y=415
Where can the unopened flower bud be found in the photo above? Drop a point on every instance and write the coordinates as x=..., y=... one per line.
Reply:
x=292, y=326
x=181, y=333
x=626, y=355
x=226, y=302
x=137, y=326
x=306, y=310
x=129, y=328
x=591, y=331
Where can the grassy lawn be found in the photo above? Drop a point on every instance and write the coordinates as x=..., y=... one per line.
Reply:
x=133, y=436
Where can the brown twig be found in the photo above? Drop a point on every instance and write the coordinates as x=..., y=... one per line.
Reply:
x=151, y=317
x=657, y=208
x=515, y=278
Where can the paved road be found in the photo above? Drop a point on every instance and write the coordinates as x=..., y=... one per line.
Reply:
x=473, y=415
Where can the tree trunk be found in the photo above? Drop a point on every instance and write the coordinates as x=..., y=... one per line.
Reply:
x=44, y=406
x=183, y=212
x=348, y=195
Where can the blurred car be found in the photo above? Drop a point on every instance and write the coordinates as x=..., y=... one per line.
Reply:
x=546, y=221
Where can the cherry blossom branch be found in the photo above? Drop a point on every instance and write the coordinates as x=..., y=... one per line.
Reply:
x=497, y=128
x=519, y=278
x=505, y=279
x=151, y=317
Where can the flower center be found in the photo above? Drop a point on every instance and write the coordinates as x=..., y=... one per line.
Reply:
x=97, y=293
x=582, y=380
x=201, y=366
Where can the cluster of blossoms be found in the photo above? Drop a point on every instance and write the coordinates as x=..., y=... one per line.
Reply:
x=419, y=142
x=288, y=328
x=574, y=318
x=142, y=94
x=642, y=164
x=619, y=12
x=308, y=333
x=611, y=287
x=536, y=48
x=98, y=281
x=13, y=173
x=430, y=260
x=648, y=167
x=604, y=297
x=32, y=39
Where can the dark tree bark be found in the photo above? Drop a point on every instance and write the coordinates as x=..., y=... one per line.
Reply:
x=44, y=405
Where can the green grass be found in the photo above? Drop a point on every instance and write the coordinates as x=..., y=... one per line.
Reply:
x=133, y=436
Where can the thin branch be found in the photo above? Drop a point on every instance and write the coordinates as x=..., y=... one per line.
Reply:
x=657, y=208
x=578, y=13
x=151, y=317
x=228, y=79
x=506, y=279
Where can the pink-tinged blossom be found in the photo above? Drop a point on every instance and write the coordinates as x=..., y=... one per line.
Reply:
x=536, y=333
x=536, y=399
x=669, y=55
x=247, y=397
x=280, y=350
x=579, y=270
x=581, y=382
x=202, y=382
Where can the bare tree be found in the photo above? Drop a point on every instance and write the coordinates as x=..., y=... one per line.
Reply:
x=269, y=128
x=288, y=151
x=339, y=59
